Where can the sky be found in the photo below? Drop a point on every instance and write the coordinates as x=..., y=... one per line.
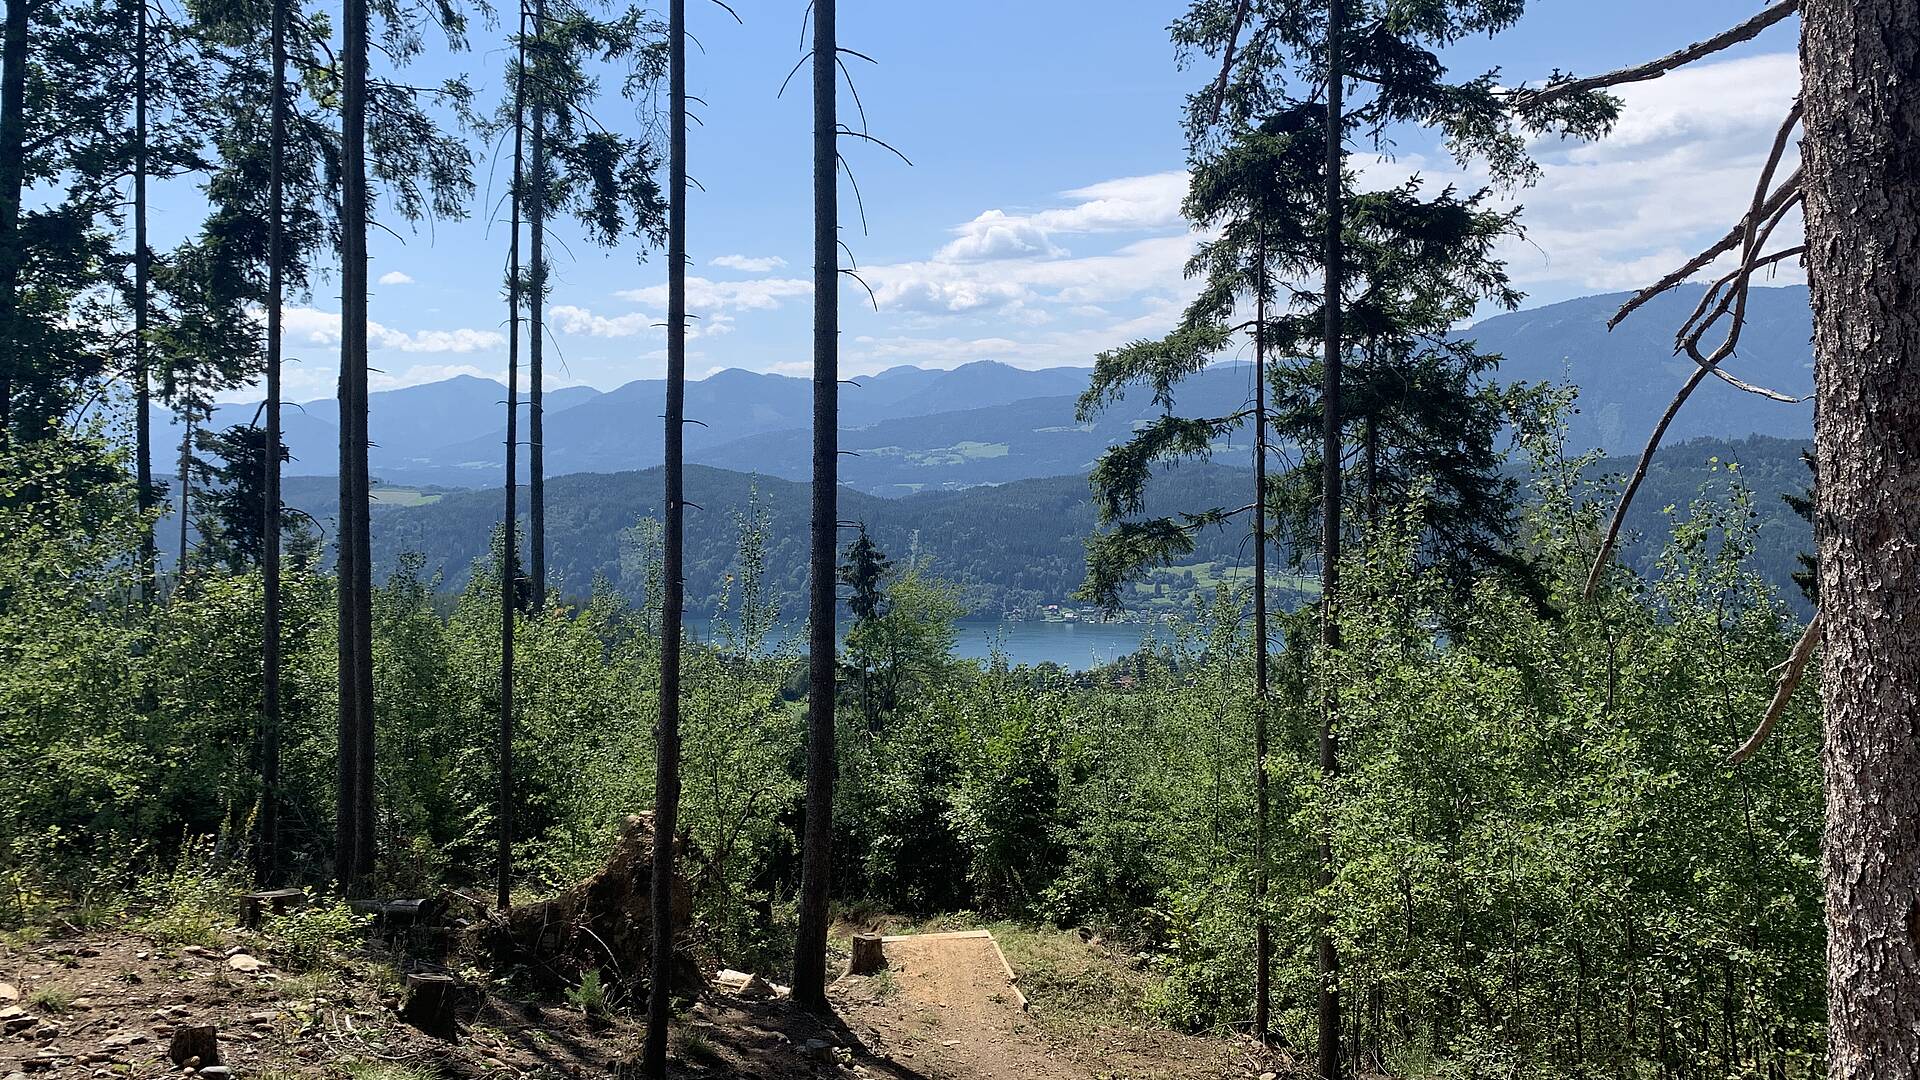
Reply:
x=1039, y=220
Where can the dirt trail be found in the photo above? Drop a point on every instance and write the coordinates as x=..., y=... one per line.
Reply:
x=946, y=1008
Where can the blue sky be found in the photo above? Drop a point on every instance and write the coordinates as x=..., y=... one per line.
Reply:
x=1039, y=221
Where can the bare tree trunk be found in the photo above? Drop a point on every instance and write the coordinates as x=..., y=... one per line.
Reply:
x=1328, y=955
x=510, y=545
x=666, y=783
x=13, y=170
x=354, y=836
x=1861, y=76
x=536, y=329
x=1262, y=926
x=816, y=849
x=268, y=858
x=186, y=480
x=142, y=391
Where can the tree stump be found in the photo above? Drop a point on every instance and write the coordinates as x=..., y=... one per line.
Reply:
x=867, y=954
x=255, y=906
x=432, y=1003
x=195, y=1046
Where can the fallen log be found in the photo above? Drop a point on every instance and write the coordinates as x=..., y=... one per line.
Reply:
x=602, y=923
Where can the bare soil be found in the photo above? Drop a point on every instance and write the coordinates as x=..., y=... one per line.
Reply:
x=106, y=1004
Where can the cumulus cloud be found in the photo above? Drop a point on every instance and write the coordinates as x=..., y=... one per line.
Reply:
x=751, y=264
x=395, y=277
x=312, y=326
x=571, y=319
x=707, y=297
x=1128, y=204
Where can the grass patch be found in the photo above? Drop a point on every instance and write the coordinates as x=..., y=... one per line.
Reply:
x=696, y=1046
x=590, y=996
x=389, y=1070
x=50, y=999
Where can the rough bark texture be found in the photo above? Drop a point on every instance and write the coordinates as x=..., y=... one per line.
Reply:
x=142, y=390
x=536, y=327
x=1861, y=67
x=510, y=546
x=13, y=168
x=268, y=860
x=1262, y=926
x=666, y=781
x=354, y=839
x=603, y=923
x=816, y=848
x=1327, y=955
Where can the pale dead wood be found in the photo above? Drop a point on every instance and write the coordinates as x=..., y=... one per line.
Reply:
x=1791, y=673
x=1654, y=69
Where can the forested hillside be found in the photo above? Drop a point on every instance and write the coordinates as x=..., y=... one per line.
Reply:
x=1009, y=547
x=1446, y=688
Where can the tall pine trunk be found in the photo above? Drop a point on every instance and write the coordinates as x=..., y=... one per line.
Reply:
x=666, y=783
x=1861, y=77
x=142, y=388
x=536, y=325
x=816, y=848
x=1262, y=926
x=13, y=172
x=354, y=837
x=268, y=858
x=186, y=482
x=510, y=546
x=1328, y=954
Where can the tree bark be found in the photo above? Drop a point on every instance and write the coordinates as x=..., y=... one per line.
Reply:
x=13, y=170
x=810, y=950
x=509, y=544
x=1327, y=954
x=1262, y=926
x=267, y=864
x=1861, y=76
x=666, y=783
x=142, y=391
x=354, y=809
x=536, y=327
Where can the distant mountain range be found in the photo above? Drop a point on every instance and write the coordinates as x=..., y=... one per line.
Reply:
x=1008, y=546
x=912, y=429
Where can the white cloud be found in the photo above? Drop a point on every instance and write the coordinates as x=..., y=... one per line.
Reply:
x=312, y=326
x=571, y=319
x=706, y=296
x=395, y=277
x=1129, y=204
x=751, y=264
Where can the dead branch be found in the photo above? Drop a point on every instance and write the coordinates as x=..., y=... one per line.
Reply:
x=1791, y=190
x=1750, y=240
x=1654, y=69
x=1790, y=675
x=1226, y=62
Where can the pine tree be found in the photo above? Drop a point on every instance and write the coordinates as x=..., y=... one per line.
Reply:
x=816, y=846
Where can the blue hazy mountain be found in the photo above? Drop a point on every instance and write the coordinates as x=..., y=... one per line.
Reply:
x=911, y=429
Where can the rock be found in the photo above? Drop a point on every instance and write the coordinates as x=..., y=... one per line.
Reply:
x=14, y=1025
x=196, y=950
x=262, y=1018
x=123, y=1040
x=1269, y=1076
x=195, y=1046
x=15, y=1076
x=245, y=964
x=216, y=1072
x=9, y=992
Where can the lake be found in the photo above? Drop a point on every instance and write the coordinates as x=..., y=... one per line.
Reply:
x=1073, y=645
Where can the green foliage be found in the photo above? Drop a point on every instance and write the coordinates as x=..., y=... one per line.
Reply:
x=589, y=996
x=313, y=937
x=190, y=902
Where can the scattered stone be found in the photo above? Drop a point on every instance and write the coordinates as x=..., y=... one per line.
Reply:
x=9, y=992
x=193, y=1046
x=16, y=1076
x=818, y=1049
x=245, y=964
x=266, y=1017
x=1269, y=1076
x=196, y=950
x=18, y=1023
x=123, y=1040
x=216, y=1072
x=83, y=1004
